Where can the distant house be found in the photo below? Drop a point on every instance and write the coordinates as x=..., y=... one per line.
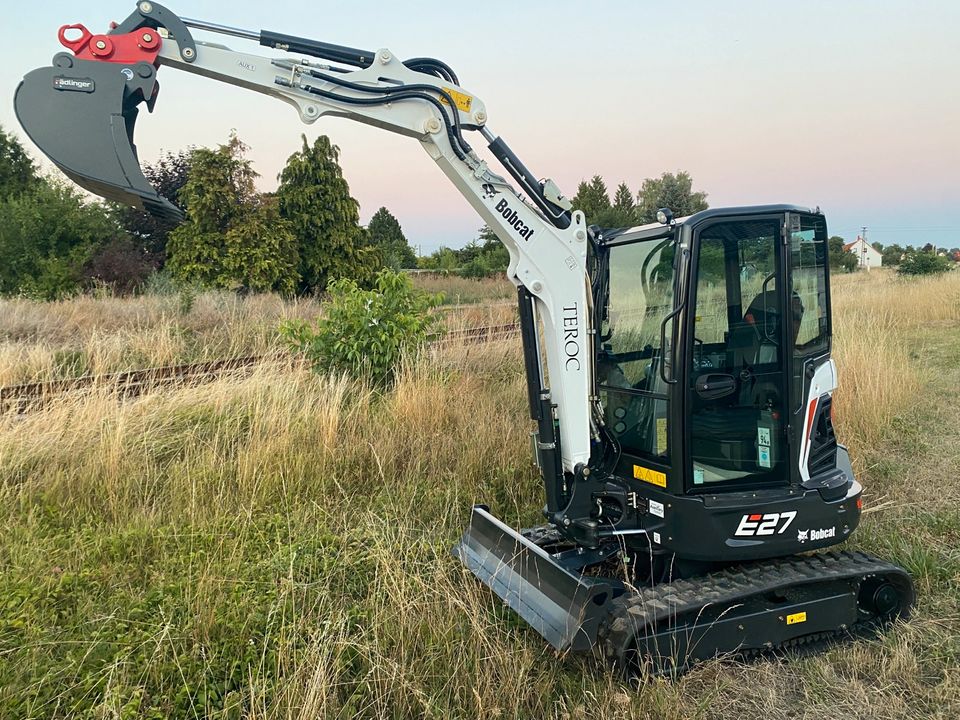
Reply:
x=867, y=257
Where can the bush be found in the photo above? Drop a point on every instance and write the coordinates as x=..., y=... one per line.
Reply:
x=119, y=265
x=924, y=263
x=47, y=236
x=365, y=333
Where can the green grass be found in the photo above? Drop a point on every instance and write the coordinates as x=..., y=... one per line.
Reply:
x=277, y=546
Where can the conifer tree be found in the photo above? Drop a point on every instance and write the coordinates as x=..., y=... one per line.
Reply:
x=315, y=199
x=385, y=234
x=593, y=199
x=233, y=238
x=624, y=209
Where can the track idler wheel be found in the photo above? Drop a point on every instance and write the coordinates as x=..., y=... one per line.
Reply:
x=881, y=598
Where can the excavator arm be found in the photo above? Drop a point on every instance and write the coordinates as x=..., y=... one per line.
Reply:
x=81, y=113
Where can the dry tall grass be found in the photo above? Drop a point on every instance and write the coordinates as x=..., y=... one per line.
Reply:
x=880, y=361
x=91, y=336
x=460, y=290
x=277, y=545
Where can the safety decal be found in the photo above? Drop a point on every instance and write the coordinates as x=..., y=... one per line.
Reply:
x=651, y=476
x=463, y=101
x=661, y=436
x=763, y=446
x=796, y=618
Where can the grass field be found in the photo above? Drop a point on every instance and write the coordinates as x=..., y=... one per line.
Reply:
x=87, y=335
x=276, y=545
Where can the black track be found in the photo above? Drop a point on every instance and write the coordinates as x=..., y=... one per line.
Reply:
x=680, y=608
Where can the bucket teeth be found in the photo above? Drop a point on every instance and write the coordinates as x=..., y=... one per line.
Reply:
x=81, y=114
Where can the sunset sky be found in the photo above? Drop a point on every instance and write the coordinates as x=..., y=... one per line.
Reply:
x=852, y=106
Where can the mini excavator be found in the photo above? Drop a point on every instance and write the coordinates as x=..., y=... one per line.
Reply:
x=679, y=374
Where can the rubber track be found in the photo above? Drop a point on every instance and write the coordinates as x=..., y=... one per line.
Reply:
x=655, y=607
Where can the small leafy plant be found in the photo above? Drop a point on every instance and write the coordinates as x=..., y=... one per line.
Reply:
x=365, y=333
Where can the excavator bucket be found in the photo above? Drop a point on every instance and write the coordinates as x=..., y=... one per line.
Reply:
x=564, y=607
x=81, y=114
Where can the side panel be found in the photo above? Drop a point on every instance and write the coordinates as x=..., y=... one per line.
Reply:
x=823, y=381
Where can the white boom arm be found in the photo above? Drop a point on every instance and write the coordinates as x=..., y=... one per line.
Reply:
x=550, y=262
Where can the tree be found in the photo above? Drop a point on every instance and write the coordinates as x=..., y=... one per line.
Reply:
x=624, y=208
x=385, y=234
x=484, y=257
x=444, y=260
x=593, y=199
x=325, y=220
x=261, y=251
x=366, y=333
x=232, y=238
x=674, y=191
x=47, y=235
x=17, y=171
x=924, y=263
x=892, y=254
x=120, y=264
x=840, y=259
x=168, y=175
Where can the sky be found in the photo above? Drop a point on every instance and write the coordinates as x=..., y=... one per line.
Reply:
x=852, y=106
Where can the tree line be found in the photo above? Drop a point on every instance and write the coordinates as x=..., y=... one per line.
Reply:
x=909, y=260
x=54, y=242
x=297, y=239
x=486, y=256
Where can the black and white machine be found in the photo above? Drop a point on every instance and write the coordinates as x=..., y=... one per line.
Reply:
x=679, y=374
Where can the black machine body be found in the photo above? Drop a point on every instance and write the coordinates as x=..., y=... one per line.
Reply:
x=714, y=375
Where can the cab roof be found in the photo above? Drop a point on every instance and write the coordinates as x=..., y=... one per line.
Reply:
x=655, y=229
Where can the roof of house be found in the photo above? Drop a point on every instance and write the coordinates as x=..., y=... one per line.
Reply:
x=850, y=246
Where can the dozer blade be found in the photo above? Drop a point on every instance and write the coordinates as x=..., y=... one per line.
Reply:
x=564, y=607
x=81, y=114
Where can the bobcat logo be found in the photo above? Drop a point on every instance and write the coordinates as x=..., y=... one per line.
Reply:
x=803, y=535
x=489, y=191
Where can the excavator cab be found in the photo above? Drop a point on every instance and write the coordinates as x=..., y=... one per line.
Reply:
x=715, y=379
x=704, y=354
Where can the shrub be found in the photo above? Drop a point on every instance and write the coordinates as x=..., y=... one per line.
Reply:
x=120, y=265
x=924, y=263
x=365, y=333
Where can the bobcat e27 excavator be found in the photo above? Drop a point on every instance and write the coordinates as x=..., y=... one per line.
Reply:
x=678, y=373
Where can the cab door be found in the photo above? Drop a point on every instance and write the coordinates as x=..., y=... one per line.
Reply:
x=737, y=361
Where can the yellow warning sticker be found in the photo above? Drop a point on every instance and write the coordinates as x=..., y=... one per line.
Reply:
x=661, y=436
x=651, y=476
x=463, y=101
x=796, y=618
